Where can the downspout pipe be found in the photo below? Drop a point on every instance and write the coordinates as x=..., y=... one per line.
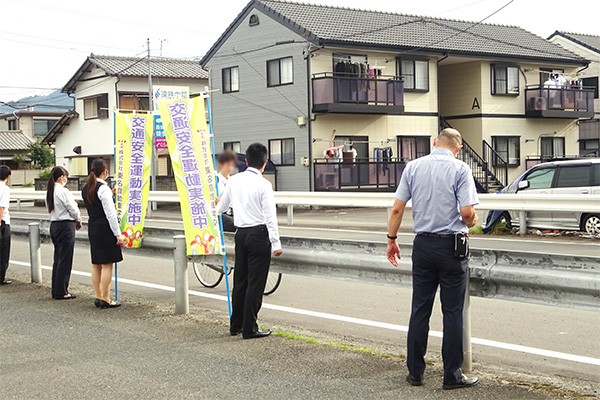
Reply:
x=309, y=120
x=437, y=73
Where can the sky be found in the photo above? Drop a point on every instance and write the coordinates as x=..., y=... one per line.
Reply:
x=42, y=43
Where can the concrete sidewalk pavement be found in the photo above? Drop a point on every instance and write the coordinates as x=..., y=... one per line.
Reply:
x=71, y=350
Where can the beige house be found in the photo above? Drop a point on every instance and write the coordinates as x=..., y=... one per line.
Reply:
x=587, y=46
x=345, y=97
x=104, y=84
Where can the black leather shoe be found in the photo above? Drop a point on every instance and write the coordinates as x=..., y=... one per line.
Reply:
x=235, y=333
x=414, y=381
x=104, y=304
x=463, y=382
x=258, y=334
x=97, y=302
x=68, y=296
x=5, y=282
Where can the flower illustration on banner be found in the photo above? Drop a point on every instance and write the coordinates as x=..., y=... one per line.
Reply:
x=132, y=238
x=205, y=241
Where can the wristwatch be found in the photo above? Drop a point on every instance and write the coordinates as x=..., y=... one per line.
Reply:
x=392, y=237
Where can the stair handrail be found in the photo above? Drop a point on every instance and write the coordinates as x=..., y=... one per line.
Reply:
x=497, y=161
x=476, y=163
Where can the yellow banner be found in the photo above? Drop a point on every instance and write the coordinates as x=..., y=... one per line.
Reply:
x=188, y=139
x=133, y=152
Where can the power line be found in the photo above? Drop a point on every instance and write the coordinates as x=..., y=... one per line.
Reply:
x=27, y=87
x=461, y=7
x=259, y=106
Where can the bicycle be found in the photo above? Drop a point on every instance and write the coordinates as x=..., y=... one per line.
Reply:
x=210, y=275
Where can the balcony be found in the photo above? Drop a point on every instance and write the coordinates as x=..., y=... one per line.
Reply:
x=351, y=94
x=367, y=175
x=569, y=102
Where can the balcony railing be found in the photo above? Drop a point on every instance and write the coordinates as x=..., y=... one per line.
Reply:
x=369, y=176
x=567, y=102
x=351, y=94
x=532, y=160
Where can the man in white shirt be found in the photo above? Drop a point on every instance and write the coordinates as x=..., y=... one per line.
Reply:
x=251, y=196
x=5, y=225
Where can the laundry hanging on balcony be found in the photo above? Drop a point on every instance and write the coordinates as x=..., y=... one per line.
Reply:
x=333, y=154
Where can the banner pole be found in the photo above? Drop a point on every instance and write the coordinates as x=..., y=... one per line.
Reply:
x=114, y=169
x=212, y=143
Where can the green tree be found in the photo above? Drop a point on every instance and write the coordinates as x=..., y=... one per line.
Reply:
x=41, y=155
x=19, y=160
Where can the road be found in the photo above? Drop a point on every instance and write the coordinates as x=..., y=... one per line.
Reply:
x=374, y=317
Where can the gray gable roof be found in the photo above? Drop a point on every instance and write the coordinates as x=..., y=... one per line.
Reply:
x=328, y=25
x=137, y=67
x=592, y=42
x=14, y=141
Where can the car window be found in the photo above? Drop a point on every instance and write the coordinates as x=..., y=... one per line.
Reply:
x=574, y=176
x=540, y=179
x=596, y=181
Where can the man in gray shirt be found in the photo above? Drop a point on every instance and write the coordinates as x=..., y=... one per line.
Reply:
x=443, y=195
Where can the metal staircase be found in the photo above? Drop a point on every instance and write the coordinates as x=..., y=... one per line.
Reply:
x=490, y=171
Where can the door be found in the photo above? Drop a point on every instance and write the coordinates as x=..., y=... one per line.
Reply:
x=540, y=182
x=571, y=180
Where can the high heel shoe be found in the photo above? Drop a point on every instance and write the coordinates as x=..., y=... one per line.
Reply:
x=97, y=302
x=112, y=304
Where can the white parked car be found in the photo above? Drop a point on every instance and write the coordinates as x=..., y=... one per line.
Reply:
x=581, y=176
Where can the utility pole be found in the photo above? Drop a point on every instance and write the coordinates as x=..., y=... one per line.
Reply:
x=151, y=106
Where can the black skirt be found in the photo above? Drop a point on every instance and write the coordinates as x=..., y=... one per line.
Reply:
x=103, y=243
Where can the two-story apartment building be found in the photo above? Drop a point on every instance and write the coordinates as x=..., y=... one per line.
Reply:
x=344, y=97
x=106, y=83
x=587, y=46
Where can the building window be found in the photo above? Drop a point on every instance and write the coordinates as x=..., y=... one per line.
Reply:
x=505, y=79
x=280, y=72
x=508, y=147
x=411, y=147
x=253, y=20
x=281, y=151
x=589, y=147
x=12, y=125
x=553, y=147
x=415, y=74
x=231, y=79
x=236, y=147
x=591, y=83
x=41, y=127
x=134, y=102
x=96, y=107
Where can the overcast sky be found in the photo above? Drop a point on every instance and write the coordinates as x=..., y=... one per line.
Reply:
x=42, y=43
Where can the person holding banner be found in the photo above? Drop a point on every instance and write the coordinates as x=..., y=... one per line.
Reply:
x=65, y=218
x=251, y=196
x=226, y=163
x=104, y=232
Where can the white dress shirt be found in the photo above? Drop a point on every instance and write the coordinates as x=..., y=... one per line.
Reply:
x=65, y=207
x=221, y=183
x=251, y=196
x=5, y=201
x=108, y=205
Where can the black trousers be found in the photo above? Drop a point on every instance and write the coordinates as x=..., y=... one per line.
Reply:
x=252, y=261
x=63, y=238
x=4, y=249
x=434, y=264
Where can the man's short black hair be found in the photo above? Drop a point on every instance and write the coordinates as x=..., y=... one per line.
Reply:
x=227, y=156
x=4, y=172
x=256, y=155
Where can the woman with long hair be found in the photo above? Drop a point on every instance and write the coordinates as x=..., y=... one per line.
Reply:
x=64, y=220
x=104, y=233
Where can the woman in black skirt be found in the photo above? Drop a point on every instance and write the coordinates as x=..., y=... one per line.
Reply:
x=64, y=220
x=104, y=233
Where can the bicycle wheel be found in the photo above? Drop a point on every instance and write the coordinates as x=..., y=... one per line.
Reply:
x=208, y=275
x=273, y=282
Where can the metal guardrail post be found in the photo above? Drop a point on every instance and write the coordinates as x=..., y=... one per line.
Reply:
x=290, y=214
x=182, y=298
x=522, y=222
x=35, y=254
x=467, y=350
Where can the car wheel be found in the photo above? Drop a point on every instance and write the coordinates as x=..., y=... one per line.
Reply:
x=505, y=218
x=591, y=224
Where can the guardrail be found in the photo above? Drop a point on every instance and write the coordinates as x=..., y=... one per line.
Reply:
x=513, y=202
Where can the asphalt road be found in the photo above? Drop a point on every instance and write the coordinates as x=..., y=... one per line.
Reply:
x=70, y=350
x=569, y=331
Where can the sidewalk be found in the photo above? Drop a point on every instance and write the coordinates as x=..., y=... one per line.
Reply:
x=71, y=350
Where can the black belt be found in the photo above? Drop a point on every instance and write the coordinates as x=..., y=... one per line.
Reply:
x=252, y=227
x=436, y=235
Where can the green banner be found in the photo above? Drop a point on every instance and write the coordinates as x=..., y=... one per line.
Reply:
x=133, y=152
x=188, y=139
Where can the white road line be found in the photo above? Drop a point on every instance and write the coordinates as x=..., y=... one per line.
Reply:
x=352, y=320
